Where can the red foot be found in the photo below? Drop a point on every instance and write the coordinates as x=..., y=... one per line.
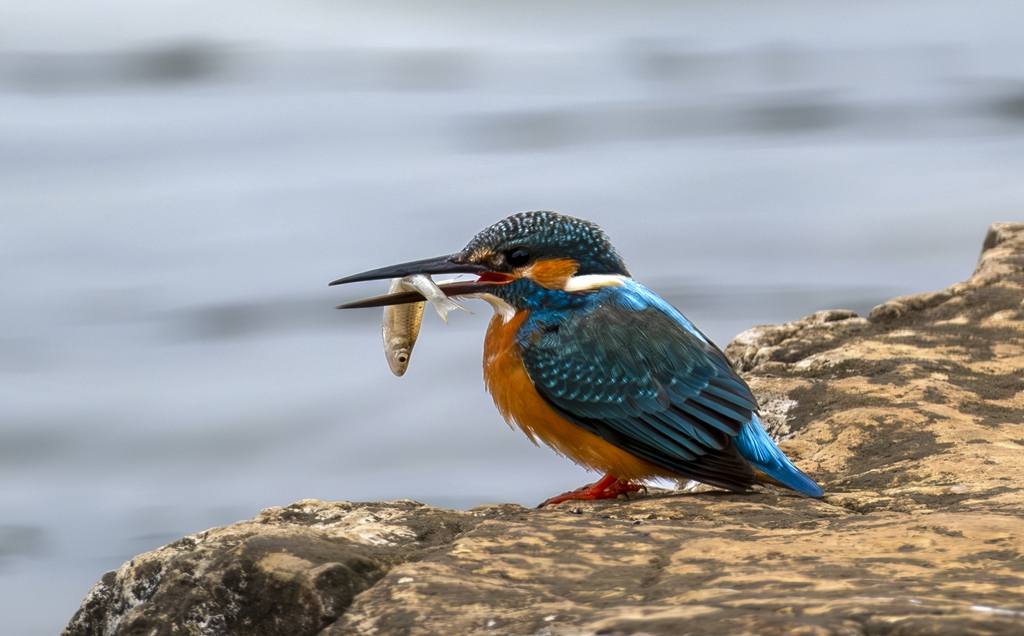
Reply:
x=609, y=487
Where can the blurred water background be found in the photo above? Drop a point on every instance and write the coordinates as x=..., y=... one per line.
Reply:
x=180, y=179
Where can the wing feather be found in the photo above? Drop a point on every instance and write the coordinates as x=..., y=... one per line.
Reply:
x=637, y=376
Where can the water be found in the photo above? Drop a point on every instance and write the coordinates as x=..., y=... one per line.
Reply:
x=177, y=188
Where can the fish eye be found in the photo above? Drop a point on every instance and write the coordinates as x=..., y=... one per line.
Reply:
x=518, y=256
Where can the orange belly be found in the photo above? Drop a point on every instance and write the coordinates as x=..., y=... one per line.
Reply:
x=520, y=404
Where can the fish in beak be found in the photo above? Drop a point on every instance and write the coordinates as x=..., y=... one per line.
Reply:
x=451, y=264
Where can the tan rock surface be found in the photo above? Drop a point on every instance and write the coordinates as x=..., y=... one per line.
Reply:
x=910, y=418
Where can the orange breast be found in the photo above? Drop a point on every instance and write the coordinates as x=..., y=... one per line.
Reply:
x=520, y=404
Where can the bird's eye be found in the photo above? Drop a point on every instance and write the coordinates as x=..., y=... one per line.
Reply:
x=518, y=256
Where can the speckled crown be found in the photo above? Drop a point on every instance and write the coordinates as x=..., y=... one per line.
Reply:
x=552, y=234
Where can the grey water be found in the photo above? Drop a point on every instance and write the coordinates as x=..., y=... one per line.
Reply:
x=178, y=186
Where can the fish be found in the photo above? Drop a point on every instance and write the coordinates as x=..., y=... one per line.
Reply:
x=425, y=285
x=401, y=329
x=401, y=326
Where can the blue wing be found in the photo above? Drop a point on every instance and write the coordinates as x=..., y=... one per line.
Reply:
x=631, y=369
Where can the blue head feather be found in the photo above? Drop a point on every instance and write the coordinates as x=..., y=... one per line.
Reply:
x=550, y=235
x=544, y=235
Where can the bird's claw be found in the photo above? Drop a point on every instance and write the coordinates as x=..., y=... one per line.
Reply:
x=610, y=487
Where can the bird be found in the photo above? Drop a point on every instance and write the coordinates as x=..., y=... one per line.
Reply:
x=585, y=359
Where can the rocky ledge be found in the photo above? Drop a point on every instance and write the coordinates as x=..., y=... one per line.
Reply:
x=911, y=418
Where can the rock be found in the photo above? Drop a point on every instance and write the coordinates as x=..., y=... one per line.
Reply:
x=911, y=418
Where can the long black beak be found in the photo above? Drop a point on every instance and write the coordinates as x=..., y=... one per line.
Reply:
x=462, y=288
x=452, y=264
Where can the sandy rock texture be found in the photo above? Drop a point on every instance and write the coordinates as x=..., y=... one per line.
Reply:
x=912, y=419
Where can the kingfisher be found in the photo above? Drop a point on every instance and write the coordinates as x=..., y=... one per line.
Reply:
x=604, y=371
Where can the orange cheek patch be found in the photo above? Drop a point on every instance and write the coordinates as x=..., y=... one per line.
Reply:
x=552, y=273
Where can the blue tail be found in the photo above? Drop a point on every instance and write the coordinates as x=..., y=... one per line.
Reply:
x=759, y=449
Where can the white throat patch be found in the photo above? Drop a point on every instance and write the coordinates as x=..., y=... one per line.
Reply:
x=590, y=282
x=587, y=282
